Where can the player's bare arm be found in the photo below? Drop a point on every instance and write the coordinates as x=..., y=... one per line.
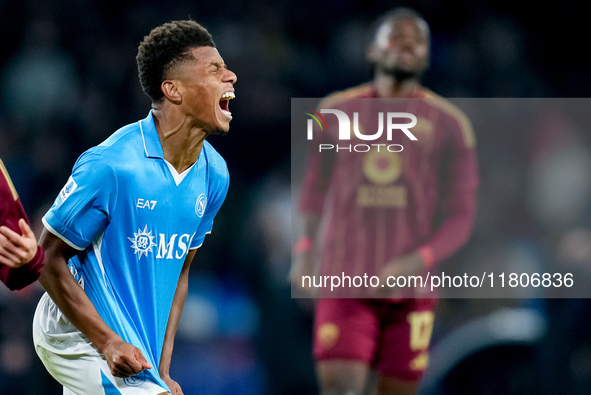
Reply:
x=16, y=249
x=124, y=359
x=173, y=320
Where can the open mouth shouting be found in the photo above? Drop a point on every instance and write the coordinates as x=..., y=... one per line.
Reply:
x=224, y=103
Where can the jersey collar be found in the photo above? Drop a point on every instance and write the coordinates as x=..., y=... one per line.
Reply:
x=152, y=145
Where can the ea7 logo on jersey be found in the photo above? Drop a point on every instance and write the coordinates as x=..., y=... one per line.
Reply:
x=143, y=203
x=68, y=189
x=171, y=247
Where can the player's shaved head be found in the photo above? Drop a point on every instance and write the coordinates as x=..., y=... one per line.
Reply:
x=388, y=19
x=400, y=44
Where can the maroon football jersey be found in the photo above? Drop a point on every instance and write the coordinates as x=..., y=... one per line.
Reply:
x=381, y=204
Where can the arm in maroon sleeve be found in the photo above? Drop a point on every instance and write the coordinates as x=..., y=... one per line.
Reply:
x=319, y=168
x=459, y=188
x=311, y=203
x=11, y=211
x=24, y=275
x=316, y=181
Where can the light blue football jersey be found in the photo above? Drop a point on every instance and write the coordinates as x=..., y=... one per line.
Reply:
x=134, y=219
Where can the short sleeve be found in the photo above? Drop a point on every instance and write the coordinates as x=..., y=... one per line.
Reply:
x=214, y=202
x=84, y=205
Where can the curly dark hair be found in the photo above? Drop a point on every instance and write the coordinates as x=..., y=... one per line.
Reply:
x=164, y=47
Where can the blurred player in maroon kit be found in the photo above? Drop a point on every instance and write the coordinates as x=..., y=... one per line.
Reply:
x=391, y=214
x=21, y=259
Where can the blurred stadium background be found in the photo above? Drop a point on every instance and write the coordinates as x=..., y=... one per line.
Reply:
x=68, y=80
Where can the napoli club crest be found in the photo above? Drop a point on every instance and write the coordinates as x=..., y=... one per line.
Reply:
x=200, y=205
x=135, y=381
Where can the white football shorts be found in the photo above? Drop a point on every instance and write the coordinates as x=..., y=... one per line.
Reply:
x=73, y=360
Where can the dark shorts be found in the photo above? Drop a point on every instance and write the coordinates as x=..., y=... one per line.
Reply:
x=390, y=337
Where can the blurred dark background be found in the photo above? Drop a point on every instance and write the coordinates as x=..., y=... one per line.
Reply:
x=68, y=80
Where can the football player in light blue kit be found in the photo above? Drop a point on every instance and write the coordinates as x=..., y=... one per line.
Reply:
x=123, y=231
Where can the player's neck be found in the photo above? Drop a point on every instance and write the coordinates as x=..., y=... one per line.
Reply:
x=181, y=141
x=386, y=85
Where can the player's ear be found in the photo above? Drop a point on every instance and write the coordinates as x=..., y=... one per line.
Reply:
x=171, y=91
